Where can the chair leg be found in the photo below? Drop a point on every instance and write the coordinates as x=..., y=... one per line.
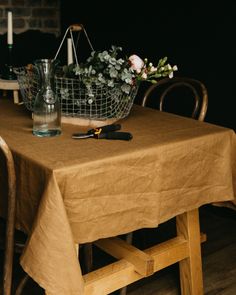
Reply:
x=123, y=291
x=128, y=239
x=9, y=254
x=22, y=285
x=16, y=96
x=88, y=256
x=7, y=273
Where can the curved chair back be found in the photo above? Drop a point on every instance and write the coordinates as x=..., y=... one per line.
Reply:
x=165, y=88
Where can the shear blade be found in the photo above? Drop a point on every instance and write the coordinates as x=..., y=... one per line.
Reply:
x=81, y=135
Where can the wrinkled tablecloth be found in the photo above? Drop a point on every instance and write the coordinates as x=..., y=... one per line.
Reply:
x=77, y=191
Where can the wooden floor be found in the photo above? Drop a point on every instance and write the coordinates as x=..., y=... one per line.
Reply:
x=218, y=255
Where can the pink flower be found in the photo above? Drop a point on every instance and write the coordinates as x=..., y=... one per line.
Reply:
x=136, y=63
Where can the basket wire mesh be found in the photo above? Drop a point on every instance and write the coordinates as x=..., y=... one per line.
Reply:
x=99, y=102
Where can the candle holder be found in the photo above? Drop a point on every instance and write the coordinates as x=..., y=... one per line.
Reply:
x=8, y=73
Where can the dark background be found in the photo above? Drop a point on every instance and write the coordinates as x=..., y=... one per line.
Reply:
x=197, y=36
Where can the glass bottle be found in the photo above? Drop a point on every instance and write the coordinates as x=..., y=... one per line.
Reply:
x=47, y=109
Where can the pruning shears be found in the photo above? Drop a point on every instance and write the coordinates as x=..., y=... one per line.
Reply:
x=104, y=132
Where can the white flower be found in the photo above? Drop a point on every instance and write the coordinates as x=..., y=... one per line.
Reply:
x=144, y=75
x=136, y=63
x=175, y=68
x=153, y=69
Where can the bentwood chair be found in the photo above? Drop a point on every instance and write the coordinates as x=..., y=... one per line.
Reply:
x=14, y=241
x=178, y=95
x=166, y=95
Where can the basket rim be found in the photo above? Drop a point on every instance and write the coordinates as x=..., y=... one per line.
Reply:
x=98, y=102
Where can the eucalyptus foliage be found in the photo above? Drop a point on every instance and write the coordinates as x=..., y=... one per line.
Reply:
x=106, y=68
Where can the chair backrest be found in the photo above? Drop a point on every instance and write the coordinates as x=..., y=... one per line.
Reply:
x=11, y=212
x=179, y=86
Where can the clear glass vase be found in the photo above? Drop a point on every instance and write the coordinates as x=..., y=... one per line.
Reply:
x=47, y=109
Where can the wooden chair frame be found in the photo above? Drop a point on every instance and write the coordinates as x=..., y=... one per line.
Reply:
x=197, y=88
x=10, y=225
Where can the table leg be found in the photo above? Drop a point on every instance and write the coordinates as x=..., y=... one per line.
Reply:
x=134, y=264
x=190, y=268
x=129, y=239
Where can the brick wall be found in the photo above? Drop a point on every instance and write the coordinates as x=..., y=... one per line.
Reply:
x=43, y=15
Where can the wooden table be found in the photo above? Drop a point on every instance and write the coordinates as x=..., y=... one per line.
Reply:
x=11, y=85
x=80, y=191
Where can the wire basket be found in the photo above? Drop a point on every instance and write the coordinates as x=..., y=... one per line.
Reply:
x=97, y=103
x=77, y=101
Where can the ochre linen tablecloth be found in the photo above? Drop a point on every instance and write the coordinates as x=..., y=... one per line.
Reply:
x=77, y=191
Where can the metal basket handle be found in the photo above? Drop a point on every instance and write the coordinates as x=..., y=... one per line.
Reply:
x=74, y=28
